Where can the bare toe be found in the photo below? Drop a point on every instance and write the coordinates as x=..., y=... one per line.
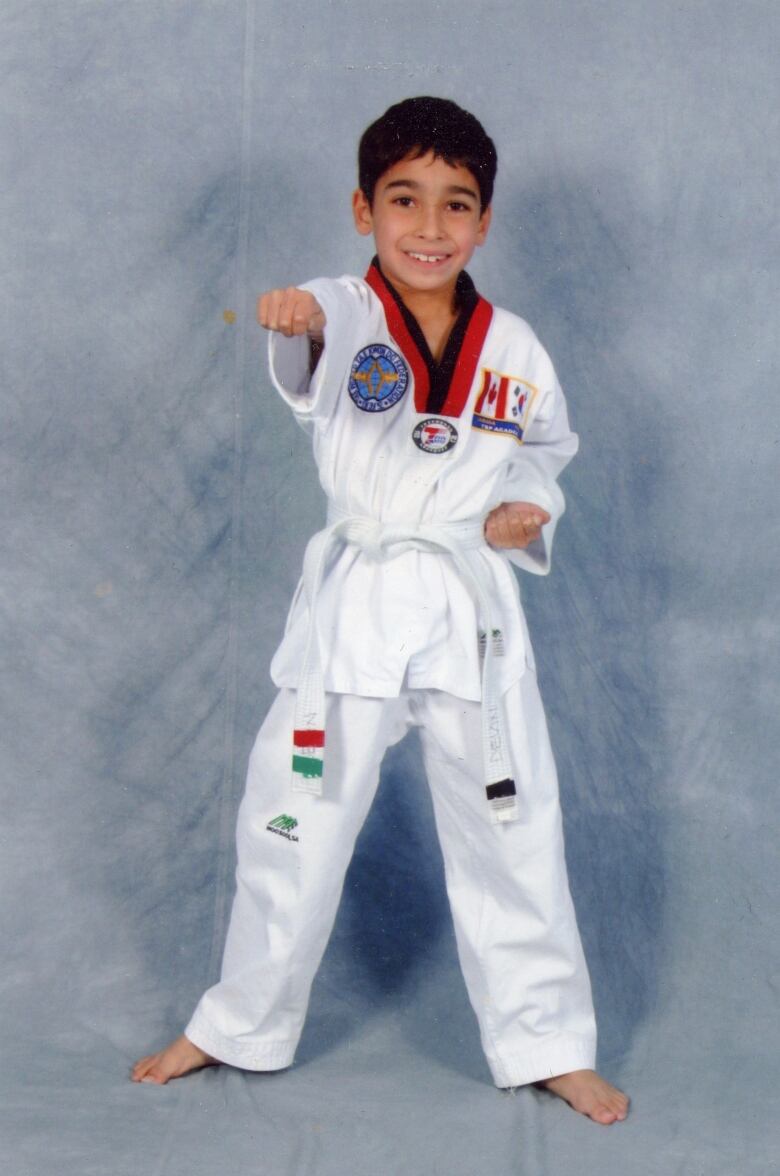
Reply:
x=141, y=1066
x=620, y=1105
x=603, y=1114
x=148, y=1069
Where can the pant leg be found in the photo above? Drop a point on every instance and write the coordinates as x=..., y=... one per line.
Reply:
x=293, y=852
x=515, y=924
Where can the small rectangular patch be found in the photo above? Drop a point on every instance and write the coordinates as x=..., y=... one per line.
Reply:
x=491, y=426
x=309, y=738
x=307, y=766
x=497, y=642
x=501, y=789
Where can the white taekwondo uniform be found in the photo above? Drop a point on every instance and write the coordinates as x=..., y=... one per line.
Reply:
x=416, y=621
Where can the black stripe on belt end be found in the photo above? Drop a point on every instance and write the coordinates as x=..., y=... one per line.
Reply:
x=501, y=788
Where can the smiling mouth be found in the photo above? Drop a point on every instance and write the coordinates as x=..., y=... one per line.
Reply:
x=430, y=258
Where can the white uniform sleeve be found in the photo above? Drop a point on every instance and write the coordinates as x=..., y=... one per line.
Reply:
x=345, y=304
x=548, y=447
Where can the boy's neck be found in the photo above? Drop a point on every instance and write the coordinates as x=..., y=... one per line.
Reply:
x=435, y=311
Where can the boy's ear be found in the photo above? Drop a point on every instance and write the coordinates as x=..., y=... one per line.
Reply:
x=361, y=211
x=484, y=224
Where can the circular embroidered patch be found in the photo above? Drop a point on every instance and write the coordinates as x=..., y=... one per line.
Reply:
x=435, y=435
x=378, y=378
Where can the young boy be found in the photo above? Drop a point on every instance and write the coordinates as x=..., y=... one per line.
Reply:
x=439, y=429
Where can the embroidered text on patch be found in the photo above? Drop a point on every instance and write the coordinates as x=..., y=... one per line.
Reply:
x=378, y=378
x=435, y=435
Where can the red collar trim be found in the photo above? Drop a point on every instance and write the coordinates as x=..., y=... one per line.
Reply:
x=465, y=362
x=466, y=366
x=402, y=335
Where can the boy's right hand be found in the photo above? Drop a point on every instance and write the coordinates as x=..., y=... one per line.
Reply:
x=291, y=311
x=515, y=524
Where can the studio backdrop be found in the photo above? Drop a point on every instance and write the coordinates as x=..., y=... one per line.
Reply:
x=162, y=165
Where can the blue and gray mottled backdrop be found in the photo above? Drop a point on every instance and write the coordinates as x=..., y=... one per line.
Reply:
x=162, y=164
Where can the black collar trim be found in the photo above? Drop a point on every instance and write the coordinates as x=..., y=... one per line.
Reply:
x=440, y=375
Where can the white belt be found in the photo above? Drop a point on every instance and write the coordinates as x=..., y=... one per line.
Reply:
x=381, y=541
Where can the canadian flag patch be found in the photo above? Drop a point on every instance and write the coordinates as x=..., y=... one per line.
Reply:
x=504, y=404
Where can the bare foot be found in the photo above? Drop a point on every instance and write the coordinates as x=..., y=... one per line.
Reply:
x=178, y=1058
x=590, y=1094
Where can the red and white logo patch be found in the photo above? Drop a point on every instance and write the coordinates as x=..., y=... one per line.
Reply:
x=435, y=435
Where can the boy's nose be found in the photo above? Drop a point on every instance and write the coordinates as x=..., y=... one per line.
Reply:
x=429, y=224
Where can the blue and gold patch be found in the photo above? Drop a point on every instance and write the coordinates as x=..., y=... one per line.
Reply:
x=378, y=378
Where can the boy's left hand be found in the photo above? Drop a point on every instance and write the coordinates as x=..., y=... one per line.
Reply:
x=515, y=524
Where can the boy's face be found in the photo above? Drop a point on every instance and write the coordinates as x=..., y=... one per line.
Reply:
x=426, y=222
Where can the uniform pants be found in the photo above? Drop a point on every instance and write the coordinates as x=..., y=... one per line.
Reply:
x=515, y=926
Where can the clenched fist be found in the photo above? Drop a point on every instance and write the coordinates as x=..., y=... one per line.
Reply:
x=515, y=524
x=291, y=311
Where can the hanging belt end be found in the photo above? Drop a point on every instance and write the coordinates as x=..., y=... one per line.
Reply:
x=502, y=800
x=309, y=785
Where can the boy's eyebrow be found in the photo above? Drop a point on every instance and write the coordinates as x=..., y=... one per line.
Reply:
x=452, y=189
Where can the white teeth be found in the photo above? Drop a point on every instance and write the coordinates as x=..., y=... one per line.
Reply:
x=428, y=257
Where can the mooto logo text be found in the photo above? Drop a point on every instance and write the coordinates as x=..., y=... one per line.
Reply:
x=283, y=825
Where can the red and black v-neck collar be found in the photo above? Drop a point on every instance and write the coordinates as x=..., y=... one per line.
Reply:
x=443, y=387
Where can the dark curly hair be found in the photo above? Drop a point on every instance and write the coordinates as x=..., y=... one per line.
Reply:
x=416, y=126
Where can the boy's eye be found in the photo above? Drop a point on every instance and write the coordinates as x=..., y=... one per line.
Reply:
x=458, y=206
x=404, y=201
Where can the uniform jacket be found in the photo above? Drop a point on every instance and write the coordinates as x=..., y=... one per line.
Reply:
x=398, y=438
